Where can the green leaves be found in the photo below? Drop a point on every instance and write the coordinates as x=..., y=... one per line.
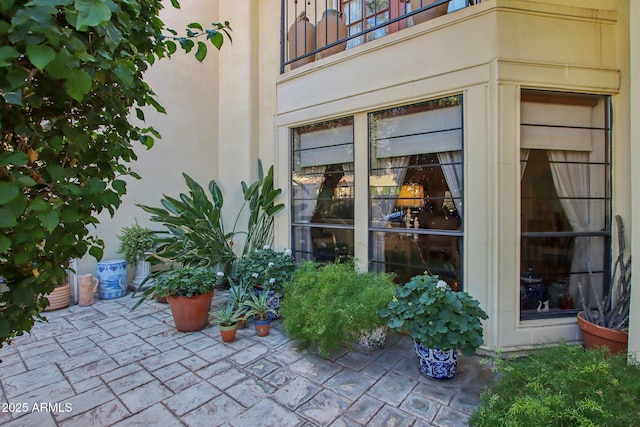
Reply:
x=40, y=56
x=91, y=13
x=70, y=73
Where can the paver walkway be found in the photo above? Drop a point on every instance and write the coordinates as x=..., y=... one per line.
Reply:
x=107, y=365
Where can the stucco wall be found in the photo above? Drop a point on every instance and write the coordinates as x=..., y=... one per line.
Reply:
x=187, y=90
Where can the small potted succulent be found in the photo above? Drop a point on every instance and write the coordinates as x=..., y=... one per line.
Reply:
x=238, y=294
x=440, y=320
x=227, y=319
x=259, y=307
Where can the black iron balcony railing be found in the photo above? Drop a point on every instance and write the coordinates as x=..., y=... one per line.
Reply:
x=313, y=29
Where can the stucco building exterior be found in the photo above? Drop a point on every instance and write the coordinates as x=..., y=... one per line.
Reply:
x=496, y=118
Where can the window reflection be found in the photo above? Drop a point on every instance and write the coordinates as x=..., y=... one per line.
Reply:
x=416, y=190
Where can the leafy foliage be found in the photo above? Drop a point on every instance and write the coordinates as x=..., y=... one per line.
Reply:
x=562, y=386
x=435, y=315
x=71, y=72
x=196, y=233
x=265, y=267
x=135, y=241
x=329, y=305
x=185, y=282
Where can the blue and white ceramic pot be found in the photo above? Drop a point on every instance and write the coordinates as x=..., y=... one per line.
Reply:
x=113, y=278
x=436, y=363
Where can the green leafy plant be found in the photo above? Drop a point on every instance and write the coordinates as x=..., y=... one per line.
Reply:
x=226, y=315
x=562, y=386
x=135, y=242
x=266, y=268
x=71, y=79
x=196, y=235
x=330, y=305
x=257, y=305
x=185, y=281
x=435, y=315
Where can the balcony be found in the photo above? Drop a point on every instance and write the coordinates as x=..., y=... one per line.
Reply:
x=314, y=29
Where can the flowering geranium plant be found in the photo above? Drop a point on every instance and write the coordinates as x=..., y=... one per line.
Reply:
x=265, y=268
x=435, y=315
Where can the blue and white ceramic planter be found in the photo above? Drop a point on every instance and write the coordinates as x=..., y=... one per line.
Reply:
x=436, y=363
x=113, y=278
x=273, y=303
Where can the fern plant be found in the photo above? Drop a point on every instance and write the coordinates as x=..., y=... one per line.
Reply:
x=562, y=386
x=328, y=306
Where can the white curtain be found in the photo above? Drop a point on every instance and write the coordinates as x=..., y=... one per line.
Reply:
x=451, y=164
x=570, y=171
x=397, y=167
x=308, y=193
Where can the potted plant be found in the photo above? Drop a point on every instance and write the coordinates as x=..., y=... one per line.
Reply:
x=227, y=319
x=258, y=306
x=135, y=243
x=335, y=305
x=608, y=324
x=196, y=235
x=237, y=296
x=189, y=292
x=439, y=320
x=266, y=270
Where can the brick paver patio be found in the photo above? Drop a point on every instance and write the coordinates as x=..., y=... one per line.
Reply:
x=105, y=365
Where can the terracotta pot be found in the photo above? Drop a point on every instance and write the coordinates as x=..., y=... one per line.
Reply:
x=228, y=333
x=331, y=28
x=594, y=336
x=427, y=14
x=190, y=313
x=302, y=39
x=60, y=297
x=262, y=327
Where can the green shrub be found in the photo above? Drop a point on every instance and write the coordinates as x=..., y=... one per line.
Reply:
x=562, y=386
x=330, y=305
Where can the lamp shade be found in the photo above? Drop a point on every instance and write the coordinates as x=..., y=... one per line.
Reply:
x=411, y=196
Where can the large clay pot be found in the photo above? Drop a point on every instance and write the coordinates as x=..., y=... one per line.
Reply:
x=427, y=14
x=594, y=336
x=302, y=39
x=60, y=297
x=331, y=28
x=190, y=313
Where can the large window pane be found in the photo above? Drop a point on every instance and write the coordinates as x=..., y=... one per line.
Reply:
x=416, y=190
x=322, y=186
x=565, y=201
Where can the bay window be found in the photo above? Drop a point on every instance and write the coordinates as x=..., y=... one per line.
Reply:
x=565, y=201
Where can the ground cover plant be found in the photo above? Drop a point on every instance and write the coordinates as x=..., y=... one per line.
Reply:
x=562, y=386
